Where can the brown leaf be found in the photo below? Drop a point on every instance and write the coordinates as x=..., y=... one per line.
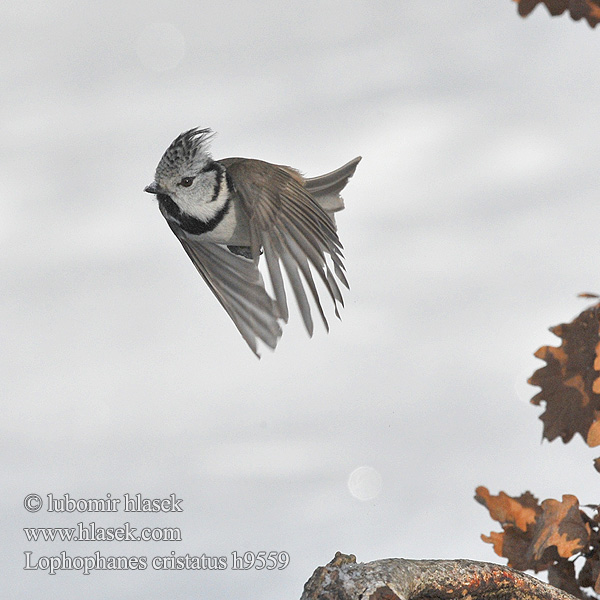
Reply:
x=562, y=575
x=589, y=576
x=519, y=512
x=578, y=9
x=560, y=525
x=535, y=536
x=514, y=545
x=517, y=517
x=570, y=381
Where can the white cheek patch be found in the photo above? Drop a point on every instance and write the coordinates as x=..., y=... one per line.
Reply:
x=199, y=200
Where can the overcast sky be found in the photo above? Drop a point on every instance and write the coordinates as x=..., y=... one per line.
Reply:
x=471, y=224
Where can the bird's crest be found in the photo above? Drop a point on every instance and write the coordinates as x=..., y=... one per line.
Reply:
x=188, y=153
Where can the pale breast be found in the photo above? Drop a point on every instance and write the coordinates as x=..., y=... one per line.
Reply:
x=234, y=229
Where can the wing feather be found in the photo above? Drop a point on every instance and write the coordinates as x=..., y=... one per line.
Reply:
x=276, y=278
x=291, y=270
x=238, y=285
x=299, y=256
x=292, y=229
x=301, y=251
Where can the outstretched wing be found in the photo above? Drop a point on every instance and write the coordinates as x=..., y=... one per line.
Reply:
x=238, y=285
x=292, y=229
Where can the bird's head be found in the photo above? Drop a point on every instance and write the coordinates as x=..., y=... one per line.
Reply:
x=186, y=172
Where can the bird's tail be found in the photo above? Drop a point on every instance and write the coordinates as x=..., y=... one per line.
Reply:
x=325, y=189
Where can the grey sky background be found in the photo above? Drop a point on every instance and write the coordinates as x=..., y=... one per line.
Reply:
x=471, y=225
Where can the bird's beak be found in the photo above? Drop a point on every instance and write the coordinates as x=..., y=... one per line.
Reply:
x=152, y=188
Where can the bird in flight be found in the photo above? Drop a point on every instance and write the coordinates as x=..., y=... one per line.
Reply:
x=229, y=213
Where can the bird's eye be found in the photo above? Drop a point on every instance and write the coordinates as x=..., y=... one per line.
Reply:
x=186, y=181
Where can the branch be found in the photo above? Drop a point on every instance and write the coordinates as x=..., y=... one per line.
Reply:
x=402, y=579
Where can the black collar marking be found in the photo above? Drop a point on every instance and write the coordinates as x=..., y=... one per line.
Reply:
x=187, y=222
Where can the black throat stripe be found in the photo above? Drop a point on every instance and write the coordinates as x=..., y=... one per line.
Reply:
x=187, y=222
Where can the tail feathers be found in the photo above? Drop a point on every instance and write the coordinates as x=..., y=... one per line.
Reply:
x=325, y=189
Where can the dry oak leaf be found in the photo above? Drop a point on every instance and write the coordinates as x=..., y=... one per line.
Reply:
x=562, y=526
x=578, y=9
x=570, y=381
x=517, y=517
x=589, y=576
x=519, y=512
x=534, y=535
x=562, y=575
